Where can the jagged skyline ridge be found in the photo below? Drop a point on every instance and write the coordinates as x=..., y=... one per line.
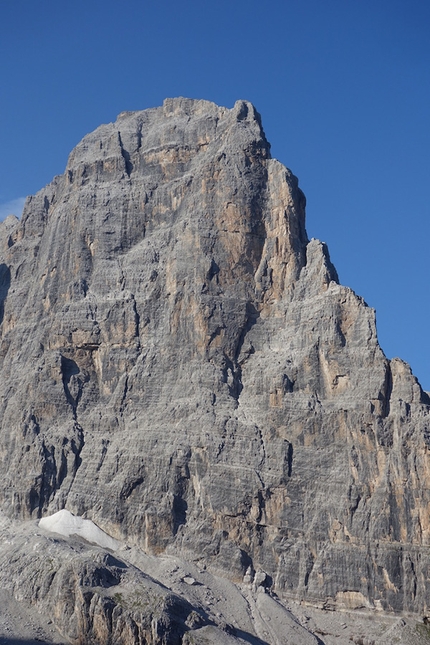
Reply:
x=207, y=336
x=343, y=90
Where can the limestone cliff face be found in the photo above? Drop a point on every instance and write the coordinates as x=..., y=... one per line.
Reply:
x=180, y=364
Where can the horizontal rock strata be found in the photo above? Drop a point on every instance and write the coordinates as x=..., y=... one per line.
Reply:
x=179, y=363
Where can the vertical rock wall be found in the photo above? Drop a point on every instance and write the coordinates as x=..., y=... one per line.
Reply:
x=180, y=364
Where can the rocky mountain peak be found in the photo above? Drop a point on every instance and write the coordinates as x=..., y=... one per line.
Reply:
x=180, y=365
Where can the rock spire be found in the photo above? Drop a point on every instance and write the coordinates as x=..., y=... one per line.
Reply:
x=180, y=365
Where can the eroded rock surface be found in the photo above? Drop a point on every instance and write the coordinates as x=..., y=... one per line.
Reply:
x=179, y=364
x=62, y=589
x=94, y=596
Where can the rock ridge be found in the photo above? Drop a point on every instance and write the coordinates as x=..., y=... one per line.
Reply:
x=180, y=364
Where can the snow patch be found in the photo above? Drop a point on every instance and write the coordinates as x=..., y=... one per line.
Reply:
x=67, y=524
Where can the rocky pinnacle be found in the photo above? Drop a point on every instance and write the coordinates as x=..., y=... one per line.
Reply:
x=180, y=365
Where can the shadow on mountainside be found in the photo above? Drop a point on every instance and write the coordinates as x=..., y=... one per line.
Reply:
x=4, y=287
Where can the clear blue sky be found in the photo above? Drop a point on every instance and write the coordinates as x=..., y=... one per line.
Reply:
x=343, y=87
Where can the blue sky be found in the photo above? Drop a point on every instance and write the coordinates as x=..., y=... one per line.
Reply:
x=343, y=87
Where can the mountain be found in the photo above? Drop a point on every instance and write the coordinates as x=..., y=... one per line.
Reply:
x=180, y=365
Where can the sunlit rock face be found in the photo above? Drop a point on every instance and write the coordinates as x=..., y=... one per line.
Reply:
x=179, y=364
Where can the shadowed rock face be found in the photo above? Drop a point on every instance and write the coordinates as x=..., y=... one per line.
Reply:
x=179, y=363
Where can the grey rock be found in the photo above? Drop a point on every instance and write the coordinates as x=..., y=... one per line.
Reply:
x=92, y=595
x=180, y=364
x=189, y=580
x=95, y=597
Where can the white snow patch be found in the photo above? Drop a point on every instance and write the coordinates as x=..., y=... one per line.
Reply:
x=67, y=524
